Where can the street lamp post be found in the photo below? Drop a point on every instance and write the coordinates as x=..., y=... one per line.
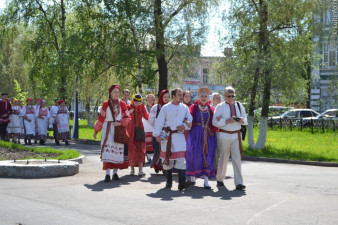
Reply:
x=75, y=130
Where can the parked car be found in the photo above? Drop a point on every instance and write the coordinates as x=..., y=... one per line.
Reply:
x=330, y=114
x=273, y=111
x=296, y=114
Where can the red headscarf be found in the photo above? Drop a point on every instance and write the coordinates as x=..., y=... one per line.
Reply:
x=38, y=99
x=160, y=99
x=61, y=101
x=113, y=87
x=29, y=99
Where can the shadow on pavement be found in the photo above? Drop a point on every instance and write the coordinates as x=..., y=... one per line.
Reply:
x=194, y=192
x=101, y=185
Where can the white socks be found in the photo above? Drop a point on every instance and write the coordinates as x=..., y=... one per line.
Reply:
x=108, y=172
x=193, y=179
x=206, y=183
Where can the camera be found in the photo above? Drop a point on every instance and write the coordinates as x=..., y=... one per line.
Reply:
x=237, y=119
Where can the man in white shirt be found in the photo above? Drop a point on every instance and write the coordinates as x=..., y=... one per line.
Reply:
x=53, y=113
x=228, y=117
x=173, y=118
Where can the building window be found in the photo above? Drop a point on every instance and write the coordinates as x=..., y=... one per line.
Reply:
x=332, y=55
x=326, y=54
x=205, y=76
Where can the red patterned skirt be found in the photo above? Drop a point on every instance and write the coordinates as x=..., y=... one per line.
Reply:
x=149, y=142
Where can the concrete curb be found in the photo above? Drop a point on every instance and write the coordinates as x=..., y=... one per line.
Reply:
x=38, y=168
x=80, y=159
x=300, y=162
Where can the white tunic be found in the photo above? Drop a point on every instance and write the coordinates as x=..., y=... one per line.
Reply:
x=152, y=114
x=63, y=120
x=172, y=116
x=223, y=110
x=53, y=112
x=42, y=122
x=148, y=127
x=14, y=124
x=29, y=112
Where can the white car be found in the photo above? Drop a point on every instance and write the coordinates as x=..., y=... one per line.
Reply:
x=330, y=114
x=297, y=114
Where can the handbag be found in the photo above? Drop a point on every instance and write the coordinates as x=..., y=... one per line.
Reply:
x=243, y=128
x=139, y=132
x=120, y=132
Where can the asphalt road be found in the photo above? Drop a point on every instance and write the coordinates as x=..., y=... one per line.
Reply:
x=276, y=194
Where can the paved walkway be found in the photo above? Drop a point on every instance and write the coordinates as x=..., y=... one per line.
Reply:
x=276, y=194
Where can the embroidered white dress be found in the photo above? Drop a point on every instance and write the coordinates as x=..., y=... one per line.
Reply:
x=29, y=127
x=42, y=123
x=14, y=127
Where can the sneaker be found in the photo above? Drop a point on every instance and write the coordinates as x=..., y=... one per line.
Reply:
x=132, y=173
x=107, y=178
x=115, y=177
x=140, y=174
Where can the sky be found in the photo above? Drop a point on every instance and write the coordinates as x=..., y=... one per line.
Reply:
x=212, y=46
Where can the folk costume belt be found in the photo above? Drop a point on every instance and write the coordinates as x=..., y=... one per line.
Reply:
x=239, y=138
x=168, y=147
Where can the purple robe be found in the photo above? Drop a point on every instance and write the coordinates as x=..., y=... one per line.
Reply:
x=194, y=156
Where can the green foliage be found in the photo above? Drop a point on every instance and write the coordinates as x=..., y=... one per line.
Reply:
x=18, y=93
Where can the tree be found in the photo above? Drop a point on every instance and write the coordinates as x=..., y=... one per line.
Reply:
x=267, y=35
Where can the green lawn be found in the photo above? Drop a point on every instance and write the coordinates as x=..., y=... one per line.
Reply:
x=300, y=145
x=62, y=154
x=282, y=144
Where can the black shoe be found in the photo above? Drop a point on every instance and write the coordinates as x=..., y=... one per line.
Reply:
x=207, y=187
x=26, y=141
x=157, y=170
x=182, y=184
x=115, y=177
x=29, y=142
x=220, y=184
x=107, y=178
x=169, y=176
x=66, y=142
x=35, y=141
x=192, y=183
x=57, y=142
x=240, y=187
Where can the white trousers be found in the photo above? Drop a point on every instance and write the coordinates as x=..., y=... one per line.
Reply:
x=177, y=163
x=225, y=147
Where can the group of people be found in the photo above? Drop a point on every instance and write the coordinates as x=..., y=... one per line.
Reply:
x=31, y=122
x=192, y=139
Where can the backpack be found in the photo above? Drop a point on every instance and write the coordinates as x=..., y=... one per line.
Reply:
x=243, y=127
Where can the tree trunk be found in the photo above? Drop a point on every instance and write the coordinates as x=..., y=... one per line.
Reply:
x=263, y=128
x=266, y=75
x=89, y=116
x=250, y=132
x=160, y=47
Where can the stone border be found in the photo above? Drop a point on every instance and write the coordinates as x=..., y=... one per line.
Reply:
x=81, y=159
x=52, y=168
x=288, y=161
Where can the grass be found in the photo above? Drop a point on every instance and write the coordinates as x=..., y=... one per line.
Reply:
x=297, y=145
x=62, y=154
x=85, y=133
x=280, y=143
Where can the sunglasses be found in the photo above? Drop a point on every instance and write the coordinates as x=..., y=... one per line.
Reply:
x=231, y=96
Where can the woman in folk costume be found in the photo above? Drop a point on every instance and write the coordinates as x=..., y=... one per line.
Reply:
x=155, y=110
x=28, y=114
x=114, y=113
x=62, y=122
x=36, y=106
x=136, y=148
x=201, y=143
x=42, y=116
x=187, y=98
x=148, y=128
x=14, y=127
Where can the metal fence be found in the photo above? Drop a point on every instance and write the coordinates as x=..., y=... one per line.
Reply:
x=300, y=124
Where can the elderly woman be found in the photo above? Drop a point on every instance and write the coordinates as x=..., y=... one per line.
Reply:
x=136, y=148
x=155, y=110
x=148, y=128
x=28, y=114
x=114, y=113
x=42, y=116
x=14, y=128
x=215, y=99
x=201, y=143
